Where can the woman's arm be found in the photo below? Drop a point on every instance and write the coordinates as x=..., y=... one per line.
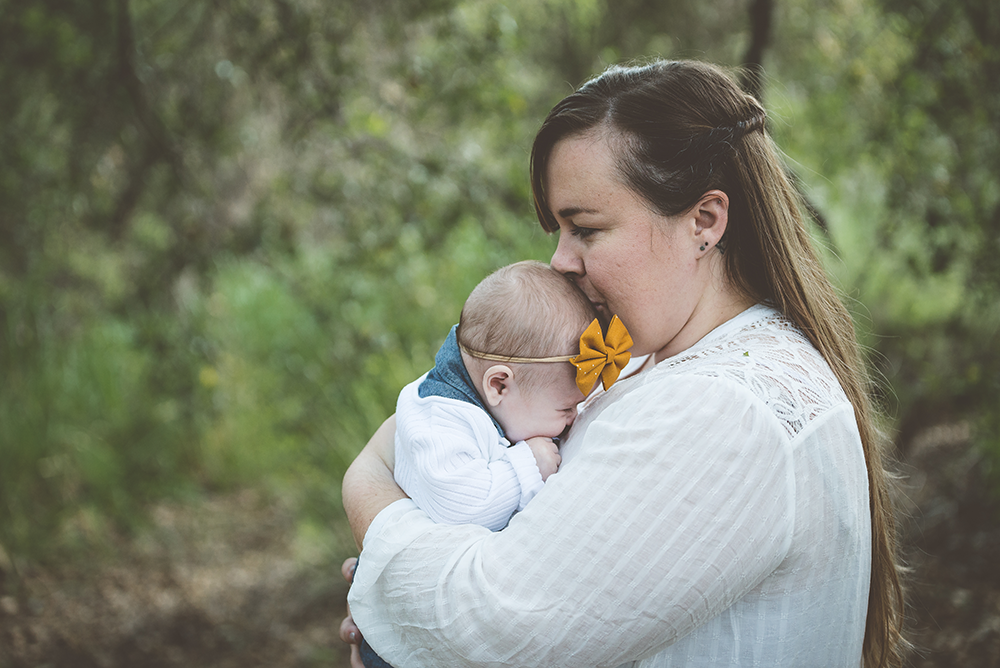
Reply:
x=368, y=484
x=367, y=489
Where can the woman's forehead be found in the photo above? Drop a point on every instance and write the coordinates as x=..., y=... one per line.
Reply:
x=584, y=178
x=580, y=172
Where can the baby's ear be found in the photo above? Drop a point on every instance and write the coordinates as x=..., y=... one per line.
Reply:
x=497, y=383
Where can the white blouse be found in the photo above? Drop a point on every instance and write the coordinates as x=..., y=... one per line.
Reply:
x=711, y=510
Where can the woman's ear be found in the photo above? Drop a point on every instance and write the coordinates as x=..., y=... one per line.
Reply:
x=711, y=215
x=498, y=381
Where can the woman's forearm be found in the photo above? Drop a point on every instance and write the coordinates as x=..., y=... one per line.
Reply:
x=368, y=484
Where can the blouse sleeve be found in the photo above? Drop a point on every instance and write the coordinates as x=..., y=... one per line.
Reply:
x=677, y=502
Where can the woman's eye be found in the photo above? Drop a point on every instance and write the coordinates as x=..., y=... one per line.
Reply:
x=582, y=232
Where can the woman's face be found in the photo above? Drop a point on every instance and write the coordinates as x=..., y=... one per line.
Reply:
x=628, y=260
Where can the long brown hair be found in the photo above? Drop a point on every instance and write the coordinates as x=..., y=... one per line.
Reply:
x=686, y=128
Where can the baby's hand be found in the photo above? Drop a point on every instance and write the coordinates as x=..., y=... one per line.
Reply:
x=546, y=454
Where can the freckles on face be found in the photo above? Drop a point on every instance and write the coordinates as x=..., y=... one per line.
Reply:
x=637, y=281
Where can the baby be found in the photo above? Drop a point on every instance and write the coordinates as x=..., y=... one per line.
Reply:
x=474, y=436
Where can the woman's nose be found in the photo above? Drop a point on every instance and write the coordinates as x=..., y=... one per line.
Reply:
x=564, y=260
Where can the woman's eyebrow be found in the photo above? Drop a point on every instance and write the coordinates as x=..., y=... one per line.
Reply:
x=571, y=211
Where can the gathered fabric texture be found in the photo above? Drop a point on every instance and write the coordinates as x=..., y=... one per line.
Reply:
x=711, y=509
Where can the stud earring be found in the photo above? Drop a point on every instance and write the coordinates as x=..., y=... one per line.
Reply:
x=702, y=247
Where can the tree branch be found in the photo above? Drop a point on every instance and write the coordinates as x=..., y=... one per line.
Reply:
x=158, y=146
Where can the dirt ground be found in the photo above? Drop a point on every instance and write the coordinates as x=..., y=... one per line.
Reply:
x=951, y=541
x=233, y=585
x=229, y=584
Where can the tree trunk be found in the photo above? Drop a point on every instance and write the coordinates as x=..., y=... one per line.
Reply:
x=761, y=13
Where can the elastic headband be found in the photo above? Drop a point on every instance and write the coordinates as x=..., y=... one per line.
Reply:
x=600, y=356
x=518, y=360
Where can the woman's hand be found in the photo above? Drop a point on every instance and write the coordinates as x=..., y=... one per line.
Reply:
x=368, y=484
x=349, y=631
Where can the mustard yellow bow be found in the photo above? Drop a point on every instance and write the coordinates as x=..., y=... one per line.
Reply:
x=602, y=357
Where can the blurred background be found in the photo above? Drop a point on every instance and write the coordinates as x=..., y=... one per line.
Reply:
x=231, y=231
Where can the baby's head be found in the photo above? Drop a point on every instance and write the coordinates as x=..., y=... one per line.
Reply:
x=526, y=310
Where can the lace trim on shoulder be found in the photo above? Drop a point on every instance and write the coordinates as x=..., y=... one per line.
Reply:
x=776, y=362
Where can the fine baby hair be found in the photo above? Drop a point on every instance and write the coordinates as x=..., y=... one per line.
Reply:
x=527, y=310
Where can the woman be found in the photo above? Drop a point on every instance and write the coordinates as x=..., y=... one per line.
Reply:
x=725, y=504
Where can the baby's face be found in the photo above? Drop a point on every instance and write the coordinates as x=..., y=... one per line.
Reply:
x=544, y=409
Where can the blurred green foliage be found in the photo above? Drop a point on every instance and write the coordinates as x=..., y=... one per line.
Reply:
x=230, y=232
